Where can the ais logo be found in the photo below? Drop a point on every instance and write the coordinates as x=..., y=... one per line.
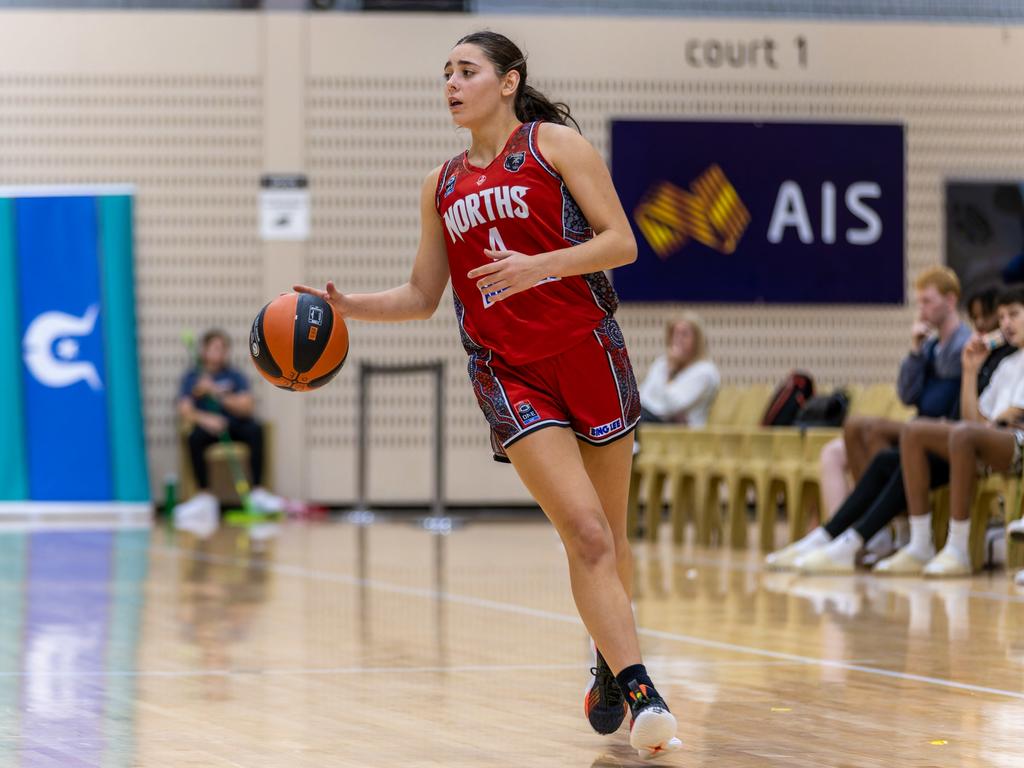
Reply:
x=712, y=213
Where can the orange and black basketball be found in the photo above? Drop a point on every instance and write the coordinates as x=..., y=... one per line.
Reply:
x=298, y=342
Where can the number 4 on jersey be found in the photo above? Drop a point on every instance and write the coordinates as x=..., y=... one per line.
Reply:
x=495, y=243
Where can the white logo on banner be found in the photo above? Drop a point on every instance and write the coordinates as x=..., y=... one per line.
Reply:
x=39, y=347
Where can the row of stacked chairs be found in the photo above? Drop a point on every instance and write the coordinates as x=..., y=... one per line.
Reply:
x=734, y=455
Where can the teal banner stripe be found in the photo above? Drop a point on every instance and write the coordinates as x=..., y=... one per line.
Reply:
x=13, y=464
x=124, y=399
x=131, y=565
x=12, y=610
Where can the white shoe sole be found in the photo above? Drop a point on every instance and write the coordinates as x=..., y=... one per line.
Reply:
x=654, y=733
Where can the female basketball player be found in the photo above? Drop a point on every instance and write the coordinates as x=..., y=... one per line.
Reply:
x=524, y=221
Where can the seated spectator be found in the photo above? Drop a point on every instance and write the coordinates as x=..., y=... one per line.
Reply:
x=929, y=377
x=989, y=438
x=834, y=472
x=878, y=497
x=875, y=500
x=682, y=383
x=215, y=400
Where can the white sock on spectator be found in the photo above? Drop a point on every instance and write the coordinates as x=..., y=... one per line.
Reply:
x=845, y=547
x=817, y=538
x=921, y=545
x=959, y=535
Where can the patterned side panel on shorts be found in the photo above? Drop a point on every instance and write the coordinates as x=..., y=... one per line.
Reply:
x=610, y=335
x=491, y=398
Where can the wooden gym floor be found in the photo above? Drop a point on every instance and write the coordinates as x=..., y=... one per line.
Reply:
x=335, y=645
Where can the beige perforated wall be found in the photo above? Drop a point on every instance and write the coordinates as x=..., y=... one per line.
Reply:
x=193, y=107
x=154, y=100
x=378, y=125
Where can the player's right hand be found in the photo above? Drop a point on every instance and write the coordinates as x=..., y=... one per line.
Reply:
x=331, y=295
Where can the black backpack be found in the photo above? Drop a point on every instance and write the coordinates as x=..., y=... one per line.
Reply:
x=792, y=394
x=824, y=410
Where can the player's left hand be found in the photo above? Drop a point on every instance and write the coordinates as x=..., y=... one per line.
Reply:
x=510, y=272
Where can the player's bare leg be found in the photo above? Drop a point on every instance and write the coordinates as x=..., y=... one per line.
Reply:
x=550, y=464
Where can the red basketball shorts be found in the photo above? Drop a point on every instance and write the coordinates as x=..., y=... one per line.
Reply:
x=589, y=388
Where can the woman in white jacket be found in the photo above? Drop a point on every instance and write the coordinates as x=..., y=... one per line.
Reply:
x=682, y=383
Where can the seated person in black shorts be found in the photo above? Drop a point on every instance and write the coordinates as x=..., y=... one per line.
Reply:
x=215, y=399
x=880, y=495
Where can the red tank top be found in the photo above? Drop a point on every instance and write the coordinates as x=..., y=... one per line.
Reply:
x=517, y=203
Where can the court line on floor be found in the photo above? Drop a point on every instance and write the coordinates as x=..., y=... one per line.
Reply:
x=314, y=671
x=522, y=610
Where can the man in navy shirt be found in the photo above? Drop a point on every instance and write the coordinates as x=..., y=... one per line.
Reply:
x=929, y=379
x=215, y=398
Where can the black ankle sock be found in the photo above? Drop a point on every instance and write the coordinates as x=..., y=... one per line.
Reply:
x=636, y=673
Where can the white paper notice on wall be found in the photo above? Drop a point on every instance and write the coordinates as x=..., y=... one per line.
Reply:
x=284, y=206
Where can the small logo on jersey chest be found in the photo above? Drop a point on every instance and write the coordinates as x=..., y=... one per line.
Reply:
x=514, y=161
x=481, y=180
x=449, y=186
x=527, y=413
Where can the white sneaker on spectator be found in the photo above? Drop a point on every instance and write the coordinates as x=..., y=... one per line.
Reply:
x=1016, y=528
x=199, y=515
x=882, y=543
x=266, y=502
x=948, y=563
x=838, y=556
x=820, y=561
x=903, y=563
x=1019, y=578
x=785, y=558
x=881, y=546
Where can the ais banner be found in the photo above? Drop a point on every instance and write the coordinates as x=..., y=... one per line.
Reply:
x=72, y=415
x=770, y=212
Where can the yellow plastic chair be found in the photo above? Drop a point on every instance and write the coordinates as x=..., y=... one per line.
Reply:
x=874, y=400
x=940, y=516
x=808, y=480
x=990, y=490
x=1014, y=548
x=647, y=468
x=900, y=412
x=752, y=406
x=754, y=472
x=723, y=408
x=694, y=475
x=787, y=475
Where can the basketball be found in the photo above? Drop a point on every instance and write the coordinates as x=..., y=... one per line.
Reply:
x=298, y=342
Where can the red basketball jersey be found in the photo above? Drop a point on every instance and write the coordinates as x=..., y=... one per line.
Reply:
x=517, y=203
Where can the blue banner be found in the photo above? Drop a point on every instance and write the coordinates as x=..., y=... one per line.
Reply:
x=73, y=427
x=65, y=391
x=762, y=212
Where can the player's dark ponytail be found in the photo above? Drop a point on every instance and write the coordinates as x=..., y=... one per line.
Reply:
x=530, y=104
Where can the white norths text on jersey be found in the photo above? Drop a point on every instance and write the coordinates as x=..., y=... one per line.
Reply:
x=485, y=206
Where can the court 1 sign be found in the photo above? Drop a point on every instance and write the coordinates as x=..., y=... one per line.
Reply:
x=774, y=212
